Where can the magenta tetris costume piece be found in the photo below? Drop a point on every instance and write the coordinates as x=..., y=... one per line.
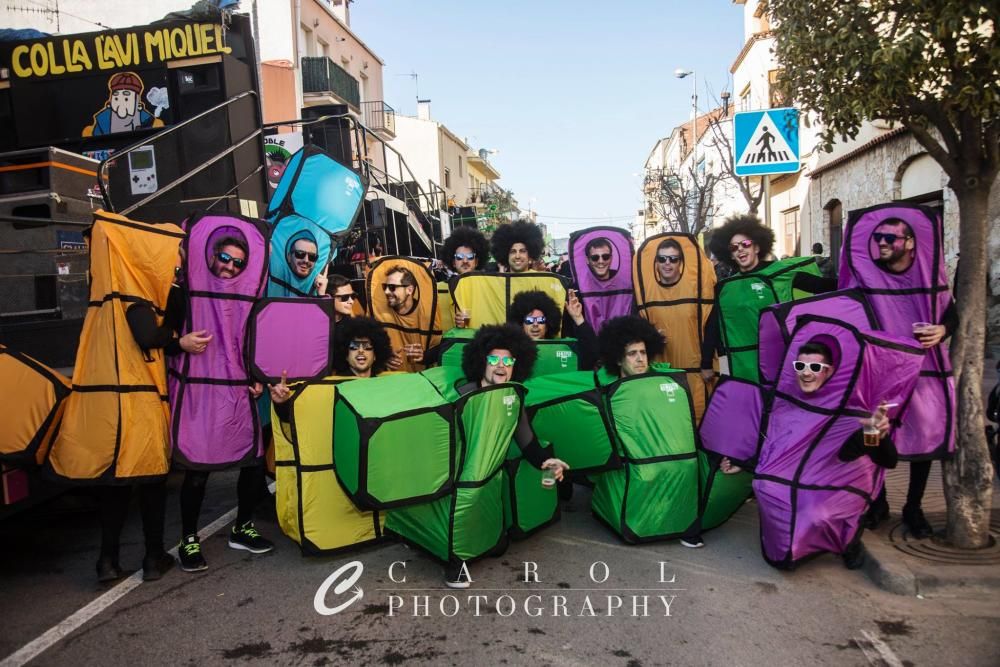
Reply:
x=919, y=294
x=214, y=421
x=809, y=500
x=292, y=334
x=603, y=299
x=736, y=398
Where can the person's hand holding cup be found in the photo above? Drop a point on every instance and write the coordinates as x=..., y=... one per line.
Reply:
x=462, y=318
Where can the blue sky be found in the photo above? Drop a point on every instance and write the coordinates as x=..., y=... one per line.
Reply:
x=572, y=94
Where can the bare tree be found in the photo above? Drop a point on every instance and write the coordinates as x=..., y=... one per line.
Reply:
x=724, y=147
x=684, y=199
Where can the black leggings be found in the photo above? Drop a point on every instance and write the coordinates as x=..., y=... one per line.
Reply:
x=920, y=471
x=248, y=490
x=114, y=507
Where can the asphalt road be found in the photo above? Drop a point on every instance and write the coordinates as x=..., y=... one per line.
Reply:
x=726, y=605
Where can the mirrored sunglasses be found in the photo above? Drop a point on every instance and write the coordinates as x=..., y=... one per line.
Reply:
x=356, y=345
x=464, y=255
x=226, y=258
x=813, y=366
x=745, y=243
x=534, y=320
x=889, y=238
x=494, y=359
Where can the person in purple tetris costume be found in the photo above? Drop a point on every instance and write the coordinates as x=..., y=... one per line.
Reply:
x=893, y=253
x=819, y=470
x=214, y=421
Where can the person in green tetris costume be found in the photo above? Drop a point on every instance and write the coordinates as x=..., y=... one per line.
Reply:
x=499, y=354
x=627, y=344
x=744, y=244
x=538, y=316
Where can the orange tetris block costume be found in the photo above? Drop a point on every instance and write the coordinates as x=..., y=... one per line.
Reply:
x=115, y=428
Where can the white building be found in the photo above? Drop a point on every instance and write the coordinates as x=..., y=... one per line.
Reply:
x=433, y=153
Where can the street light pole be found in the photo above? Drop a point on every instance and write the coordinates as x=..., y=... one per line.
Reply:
x=680, y=74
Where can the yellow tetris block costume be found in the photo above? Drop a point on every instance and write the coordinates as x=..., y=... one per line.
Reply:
x=423, y=324
x=33, y=396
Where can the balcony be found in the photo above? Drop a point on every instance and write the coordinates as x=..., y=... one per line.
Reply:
x=380, y=117
x=322, y=76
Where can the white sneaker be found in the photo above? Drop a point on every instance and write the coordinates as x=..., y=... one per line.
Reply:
x=693, y=543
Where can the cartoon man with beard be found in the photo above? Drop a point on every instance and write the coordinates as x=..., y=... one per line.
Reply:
x=124, y=111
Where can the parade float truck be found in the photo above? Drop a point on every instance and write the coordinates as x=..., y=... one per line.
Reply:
x=154, y=122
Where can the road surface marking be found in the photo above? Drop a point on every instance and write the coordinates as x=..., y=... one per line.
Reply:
x=74, y=621
x=877, y=651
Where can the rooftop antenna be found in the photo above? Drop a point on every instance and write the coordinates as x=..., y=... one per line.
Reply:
x=416, y=83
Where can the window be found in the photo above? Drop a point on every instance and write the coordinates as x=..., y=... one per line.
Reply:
x=744, y=104
x=308, y=42
x=790, y=222
x=447, y=177
x=775, y=96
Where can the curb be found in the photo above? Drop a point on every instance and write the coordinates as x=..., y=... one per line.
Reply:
x=889, y=569
x=884, y=566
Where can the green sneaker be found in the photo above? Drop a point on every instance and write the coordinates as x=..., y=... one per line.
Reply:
x=247, y=538
x=189, y=554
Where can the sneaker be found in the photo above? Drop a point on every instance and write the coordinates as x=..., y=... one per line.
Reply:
x=692, y=542
x=876, y=514
x=108, y=570
x=454, y=577
x=854, y=556
x=189, y=553
x=247, y=538
x=916, y=523
x=155, y=566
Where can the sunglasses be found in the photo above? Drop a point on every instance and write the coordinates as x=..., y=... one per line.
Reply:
x=344, y=298
x=389, y=287
x=464, y=255
x=673, y=259
x=535, y=320
x=745, y=243
x=813, y=366
x=356, y=345
x=494, y=359
x=890, y=238
x=302, y=254
x=226, y=258
x=600, y=258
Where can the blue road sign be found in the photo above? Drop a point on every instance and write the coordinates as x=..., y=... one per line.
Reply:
x=766, y=142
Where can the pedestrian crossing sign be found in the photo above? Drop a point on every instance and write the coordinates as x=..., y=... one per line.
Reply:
x=766, y=142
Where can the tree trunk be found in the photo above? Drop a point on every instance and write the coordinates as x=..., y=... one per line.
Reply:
x=968, y=477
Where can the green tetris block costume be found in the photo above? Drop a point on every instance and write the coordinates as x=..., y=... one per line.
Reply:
x=393, y=441
x=654, y=495
x=312, y=508
x=568, y=411
x=740, y=300
x=557, y=355
x=469, y=522
x=528, y=506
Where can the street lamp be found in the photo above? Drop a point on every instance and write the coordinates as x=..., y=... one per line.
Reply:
x=680, y=74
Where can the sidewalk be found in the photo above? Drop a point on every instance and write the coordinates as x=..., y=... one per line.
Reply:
x=902, y=565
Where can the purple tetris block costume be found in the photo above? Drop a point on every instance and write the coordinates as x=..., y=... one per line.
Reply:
x=919, y=294
x=809, y=500
x=292, y=334
x=214, y=422
x=603, y=299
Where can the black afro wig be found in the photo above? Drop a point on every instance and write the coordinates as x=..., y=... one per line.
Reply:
x=470, y=238
x=525, y=302
x=620, y=332
x=521, y=231
x=749, y=226
x=499, y=337
x=352, y=328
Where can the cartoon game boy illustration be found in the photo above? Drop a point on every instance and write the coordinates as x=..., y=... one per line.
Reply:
x=142, y=171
